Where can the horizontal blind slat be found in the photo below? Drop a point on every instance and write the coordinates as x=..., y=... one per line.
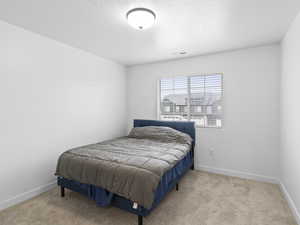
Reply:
x=205, y=99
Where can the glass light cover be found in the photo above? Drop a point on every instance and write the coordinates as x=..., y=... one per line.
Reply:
x=140, y=18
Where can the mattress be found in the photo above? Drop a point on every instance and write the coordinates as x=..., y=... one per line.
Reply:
x=131, y=167
x=104, y=198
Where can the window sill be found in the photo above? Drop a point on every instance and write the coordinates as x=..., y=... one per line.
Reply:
x=199, y=127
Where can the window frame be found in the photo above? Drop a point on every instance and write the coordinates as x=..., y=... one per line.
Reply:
x=189, y=96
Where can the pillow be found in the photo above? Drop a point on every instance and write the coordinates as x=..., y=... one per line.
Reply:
x=163, y=134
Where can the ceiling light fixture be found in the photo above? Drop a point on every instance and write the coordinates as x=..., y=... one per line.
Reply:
x=140, y=18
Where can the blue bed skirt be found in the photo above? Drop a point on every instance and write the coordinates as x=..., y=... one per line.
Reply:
x=105, y=198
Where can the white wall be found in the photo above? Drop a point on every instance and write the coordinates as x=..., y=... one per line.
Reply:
x=249, y=139
x=52, y=97
x=290, y=114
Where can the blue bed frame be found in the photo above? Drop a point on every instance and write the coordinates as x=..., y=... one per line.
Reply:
x=168, y=182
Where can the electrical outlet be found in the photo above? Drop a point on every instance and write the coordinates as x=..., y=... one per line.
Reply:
x=211, y=151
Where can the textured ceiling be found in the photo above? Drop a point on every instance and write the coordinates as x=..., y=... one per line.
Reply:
x=194, y=26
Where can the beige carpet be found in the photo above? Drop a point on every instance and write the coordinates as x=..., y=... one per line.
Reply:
x=202, y=199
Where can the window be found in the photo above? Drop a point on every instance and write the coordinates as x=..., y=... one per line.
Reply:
x=167, y=108
x=192, y=98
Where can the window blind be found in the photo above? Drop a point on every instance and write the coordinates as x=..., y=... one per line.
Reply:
x=192, y=98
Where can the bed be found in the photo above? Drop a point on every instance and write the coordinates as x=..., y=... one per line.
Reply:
x=133, y=173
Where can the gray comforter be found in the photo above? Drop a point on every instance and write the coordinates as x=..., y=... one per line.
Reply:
x=131, y=166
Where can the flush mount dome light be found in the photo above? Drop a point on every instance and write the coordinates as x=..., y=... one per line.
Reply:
x=140, y=18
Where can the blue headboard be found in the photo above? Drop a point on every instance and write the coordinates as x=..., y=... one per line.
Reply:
x=185, y=127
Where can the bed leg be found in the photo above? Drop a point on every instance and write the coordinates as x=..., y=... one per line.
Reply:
x=62, y=191
x=140, y=220
x=192, y=167
x=177, y=186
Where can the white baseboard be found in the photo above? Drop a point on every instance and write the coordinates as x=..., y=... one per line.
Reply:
x=234, y=173
x=291, y=203
x=26, y=195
